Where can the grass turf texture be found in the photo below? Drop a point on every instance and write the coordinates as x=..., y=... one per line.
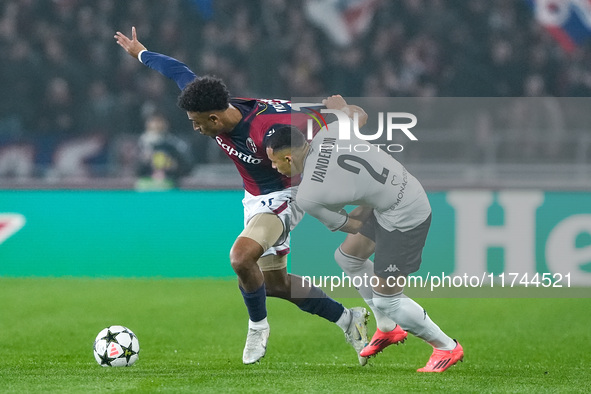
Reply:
x=192, y=333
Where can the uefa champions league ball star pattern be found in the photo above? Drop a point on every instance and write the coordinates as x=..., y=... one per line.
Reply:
x=116, y=346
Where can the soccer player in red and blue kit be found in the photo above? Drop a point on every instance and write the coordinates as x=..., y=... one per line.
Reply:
x=259, y=254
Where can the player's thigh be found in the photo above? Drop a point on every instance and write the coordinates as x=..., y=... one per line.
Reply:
x=358, y=245
x=265, y=229
x=275, y=264
x=245, y=253
x=398, y=254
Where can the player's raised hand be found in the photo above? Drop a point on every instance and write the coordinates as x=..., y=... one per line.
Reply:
x=334, y=102
x=352, y=111
x=133, y=46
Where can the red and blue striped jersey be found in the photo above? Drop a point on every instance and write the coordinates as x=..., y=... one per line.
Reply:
x=244, y=145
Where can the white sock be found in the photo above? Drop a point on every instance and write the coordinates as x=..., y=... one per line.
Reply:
x=354, y=267
x=259, y=325
x=414, y=319
x=383, y=322
x=345, y=320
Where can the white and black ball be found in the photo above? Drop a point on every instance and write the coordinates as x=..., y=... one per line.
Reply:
x=116, y=346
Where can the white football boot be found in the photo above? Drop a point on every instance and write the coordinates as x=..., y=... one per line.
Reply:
x=256, y=345
x=356, y=334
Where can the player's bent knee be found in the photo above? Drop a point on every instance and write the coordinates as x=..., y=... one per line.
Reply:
x=239, y=266
x=347, y=262
x=358, y=245
x=266, y=229
x=244, y=255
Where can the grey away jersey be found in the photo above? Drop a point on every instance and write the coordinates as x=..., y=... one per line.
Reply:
x=354, y=172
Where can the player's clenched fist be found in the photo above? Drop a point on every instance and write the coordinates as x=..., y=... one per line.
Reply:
x=131, y=46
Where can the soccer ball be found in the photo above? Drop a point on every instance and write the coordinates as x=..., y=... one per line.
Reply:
x=116, y=346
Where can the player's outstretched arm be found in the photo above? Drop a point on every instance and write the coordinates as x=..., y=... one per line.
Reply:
x=165, y=65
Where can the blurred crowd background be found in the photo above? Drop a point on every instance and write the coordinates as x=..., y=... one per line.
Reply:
x=67, y=85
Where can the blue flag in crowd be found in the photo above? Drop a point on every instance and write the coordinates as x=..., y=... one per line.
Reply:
x=568, y=21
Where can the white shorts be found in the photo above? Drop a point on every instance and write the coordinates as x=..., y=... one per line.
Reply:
x=281, y=203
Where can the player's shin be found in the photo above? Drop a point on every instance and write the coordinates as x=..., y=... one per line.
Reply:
x=256, y=304
x=413, y=318
x=363, y=268
x=258, y=327
x=318, y=303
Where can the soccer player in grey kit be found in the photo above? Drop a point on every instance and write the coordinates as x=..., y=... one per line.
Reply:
x=392, y=220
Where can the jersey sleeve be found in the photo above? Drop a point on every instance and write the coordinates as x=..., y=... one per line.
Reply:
x=169, y=67
x=333, y=220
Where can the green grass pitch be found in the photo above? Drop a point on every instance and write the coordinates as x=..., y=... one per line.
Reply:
x=192, y=333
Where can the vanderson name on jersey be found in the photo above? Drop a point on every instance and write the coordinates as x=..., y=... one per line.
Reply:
x=333, y=178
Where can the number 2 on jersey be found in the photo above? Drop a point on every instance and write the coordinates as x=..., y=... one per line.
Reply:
x=342, y=161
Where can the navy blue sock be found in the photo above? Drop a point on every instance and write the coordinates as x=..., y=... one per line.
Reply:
x=256, y=303
x=318, y=303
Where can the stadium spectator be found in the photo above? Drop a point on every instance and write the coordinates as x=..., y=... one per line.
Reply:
x=163, y=157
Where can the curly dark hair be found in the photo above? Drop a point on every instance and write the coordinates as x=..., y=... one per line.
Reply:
x=285, y=137
x=204, y=94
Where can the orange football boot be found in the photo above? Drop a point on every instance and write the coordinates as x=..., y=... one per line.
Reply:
x=441, y=360
x=381, y=340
